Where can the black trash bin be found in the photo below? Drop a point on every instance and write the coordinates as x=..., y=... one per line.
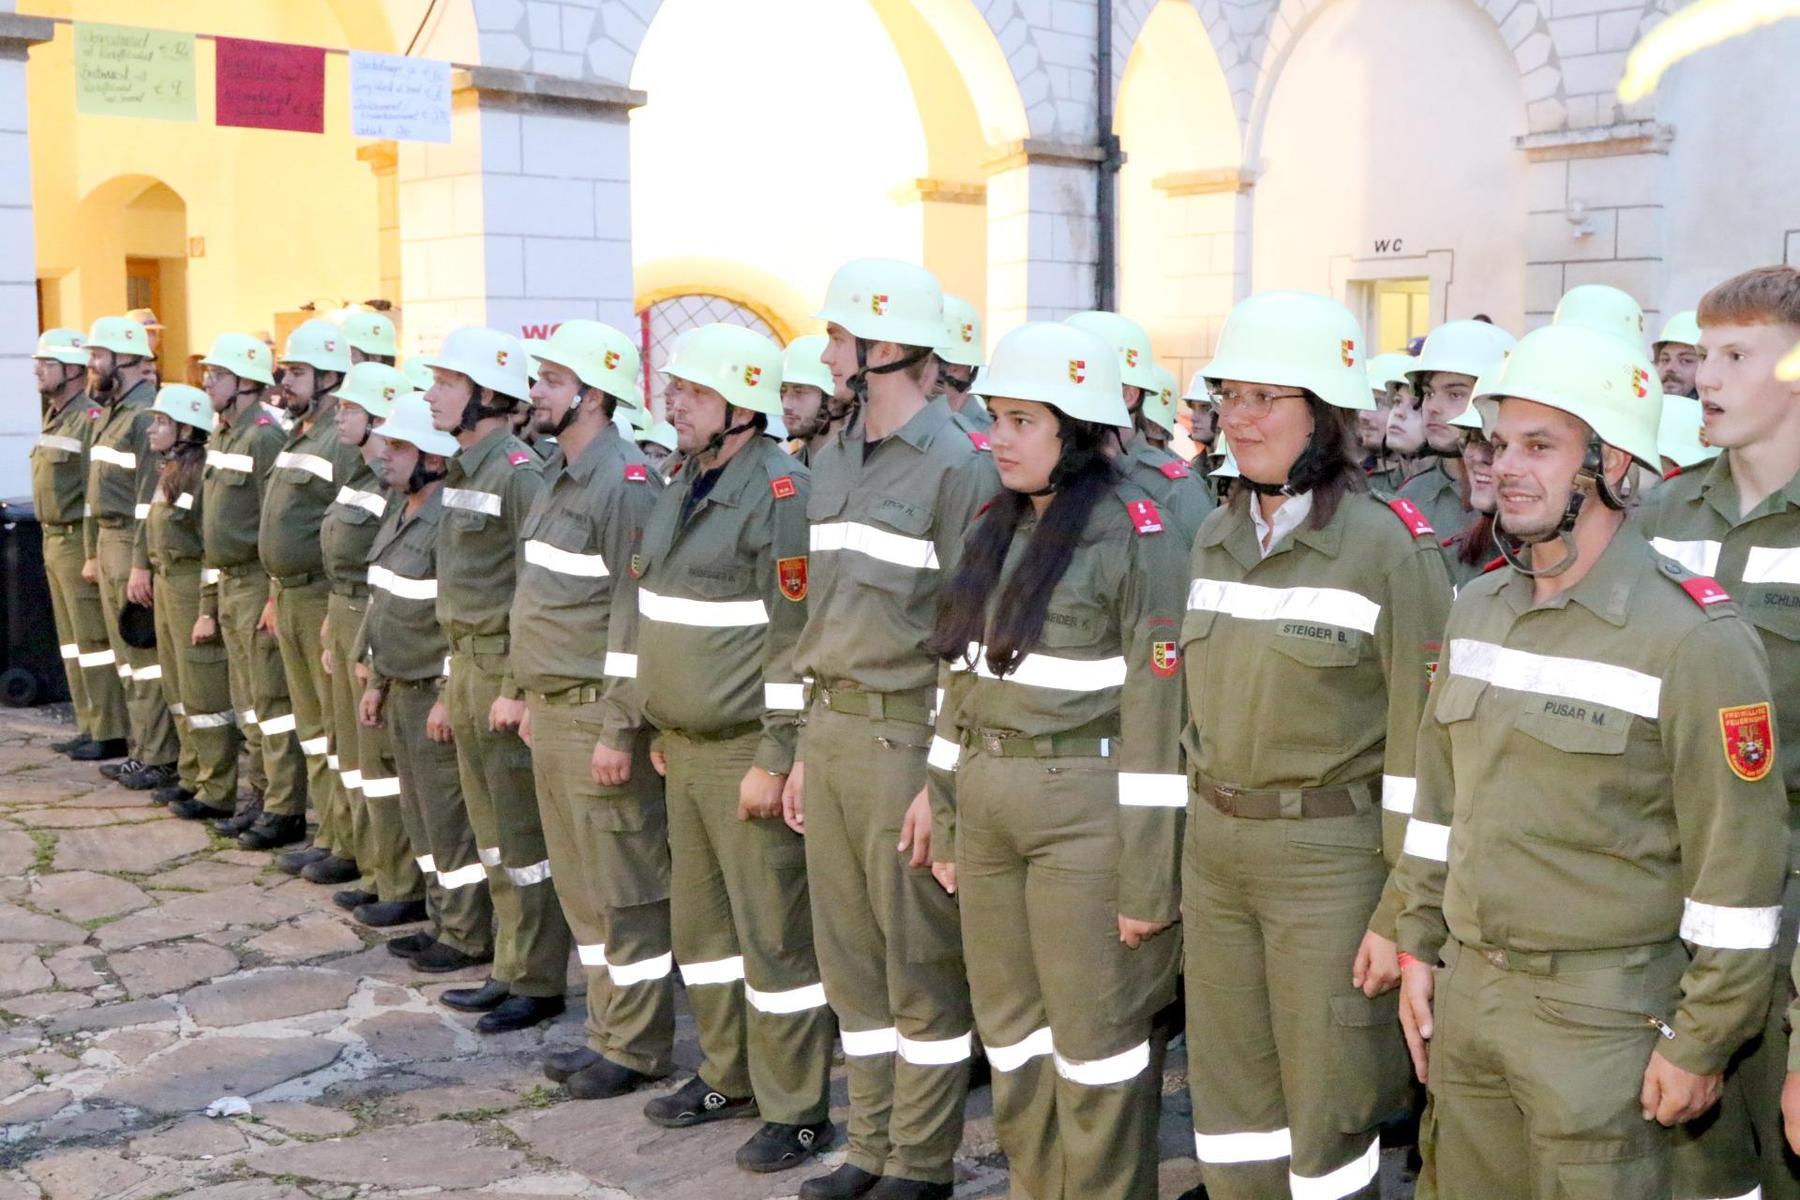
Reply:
x=30, y=663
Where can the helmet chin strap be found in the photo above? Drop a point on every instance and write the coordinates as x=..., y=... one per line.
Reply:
x=1591, y=478
x=420, y=477
x=717, y=440
x=475, y=411
x=568, y=417
x=859, y=382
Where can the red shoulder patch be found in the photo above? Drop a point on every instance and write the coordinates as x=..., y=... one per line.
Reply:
x=636, y=473
x=1411, y=517
x=94, y=414
x=1749, y=732
x=265, y=420
x=790, y=574
x=782, y=488
x=980, y=440
x=1705, y=592
x=985, y=505
x=1174, y=470
x=1672, y=472
x=1144, y=516
x=1499, y=561
x=519, y=458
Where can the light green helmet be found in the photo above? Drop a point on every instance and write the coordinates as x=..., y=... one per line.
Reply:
x=599, y=355
x=1058, y=364
x=1681, y=437
x=66, y=346
x=1159, y=402
x=1297, y=340
x=1606, y=309
x=319, y=344
x=740, y=364
x=1461, y=348
x=1593, y=375
x=373, y=387
x=418, y=373
x=369, y=331
x=1683, y=328
x=243, y=356
x=185, y=405
x=801, y=364
x=962, y=333
x=886, y=300
x=409, y=421
x=659, y=433
x=121, y=335
x=1129, y=341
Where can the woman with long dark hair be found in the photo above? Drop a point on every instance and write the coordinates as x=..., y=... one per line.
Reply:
x=1311, y=632
x=1056, y=777
x=195, y=679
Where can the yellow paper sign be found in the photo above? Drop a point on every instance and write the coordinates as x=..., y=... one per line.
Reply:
x=123, y=71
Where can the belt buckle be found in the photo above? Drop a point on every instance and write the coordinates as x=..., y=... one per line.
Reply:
x=1225, y=799
x=823, y=694
x=1496, y=958
x=991, y=742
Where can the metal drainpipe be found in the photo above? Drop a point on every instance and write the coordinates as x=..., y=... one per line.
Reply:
x=1107, y=181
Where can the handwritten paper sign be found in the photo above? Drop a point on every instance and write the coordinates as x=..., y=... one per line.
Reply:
x=123, y=71
x=405, y=99
x=270, y=85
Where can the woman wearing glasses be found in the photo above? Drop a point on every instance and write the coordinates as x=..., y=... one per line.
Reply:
x=1311, y=632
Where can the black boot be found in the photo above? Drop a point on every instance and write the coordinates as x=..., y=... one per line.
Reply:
x=384, y=913
x=486, y=998
x=604, y=1080
x=271, y=832
x=439, y=959
x=521, y=1012
x=169, y=795
x=246, y=816
x=845, y=1183
x=777, y=1147
x=697, y=1102
x=296, y=861
x=892, y=1188
x=560, y=1064
x=97, y=751
x=115, y=770
x=195, y=809
x=410, y=945
x=148, y=779
x=351, y=899
x=70, y=745
x=331, y=870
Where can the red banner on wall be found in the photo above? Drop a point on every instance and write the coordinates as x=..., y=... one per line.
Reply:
x=270, y=85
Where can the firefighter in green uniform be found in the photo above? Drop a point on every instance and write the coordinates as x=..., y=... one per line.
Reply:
x=408, y=659
x=1057, y=790
x=1738, y=521
x=1180, y=493
x=1591, y=881
x=309, y=469
x=891, y=498
x=1387, y=471
x=1607, y=310
x=1158, y=411
x=1307, y=596
x=492, y=483
x=121, y=478
x=391, y=890
x=370, y=336
x=959, y=357
x=721, y=599
x=247, y=438
x=59, y=470
x=196, y=680
x=1676, y=353
x=806, y=392
x=1443, y=376
x=600, y=802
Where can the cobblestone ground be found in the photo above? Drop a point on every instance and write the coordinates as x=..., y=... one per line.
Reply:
x=149, y=967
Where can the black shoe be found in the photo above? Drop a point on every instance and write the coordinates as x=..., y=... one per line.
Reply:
x=70, y=745
x=1193, y=1193
x=845, y=1183
x=271, y=832
x=981, y=1073
x=695, y=1103
x=782, y=1147
x=560, y=1064
x=382, y=914
x=147, y=779
x=892, y=1188
x=521, y=1012
x=193, y=808
x=170, y=794
x=114, y=770
x=331, y=870
x=410, y=945
x=486, y=998
x=96, y=751
x=439, y=959
x=296, y=861
x=246, y=816
x=351, y=899
x=604, y=1080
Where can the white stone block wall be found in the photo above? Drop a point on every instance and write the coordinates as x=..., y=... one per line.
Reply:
x=18, y=258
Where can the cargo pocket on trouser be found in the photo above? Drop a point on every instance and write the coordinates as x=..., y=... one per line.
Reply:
x=1369, y=1073
x=1588, y=1061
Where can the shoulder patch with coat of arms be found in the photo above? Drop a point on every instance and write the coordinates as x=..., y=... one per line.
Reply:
x=1749, y=733
x=790, y=573
x=1165, y=658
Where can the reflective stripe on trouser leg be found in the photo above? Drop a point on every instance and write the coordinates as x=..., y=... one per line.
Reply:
x=241, y=600
x=377, y=833
x=1314, y=1057
x=63, y=558
x=165, y=617
x=350, y=830
x=299, y=612
x=608, y=852
x=432, y=800
x=888, y=946
x=210, y=725
x=152, y=728
x=532, y=940
x=1064, y=1009
x=237, y=636
x=98, y=661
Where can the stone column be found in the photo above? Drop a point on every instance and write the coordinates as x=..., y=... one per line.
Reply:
x=1041, y=231
x=18, y=253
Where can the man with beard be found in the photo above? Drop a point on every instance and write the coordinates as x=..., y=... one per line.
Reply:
x=1677, y=355
x=959, y=358
x=809, y=405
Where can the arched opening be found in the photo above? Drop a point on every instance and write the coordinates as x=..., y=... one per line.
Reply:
x=1387, y=173
x=133, y=255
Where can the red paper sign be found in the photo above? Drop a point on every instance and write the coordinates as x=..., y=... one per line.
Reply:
x=270, y=85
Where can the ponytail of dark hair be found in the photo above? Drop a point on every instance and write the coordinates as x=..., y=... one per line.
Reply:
x=182, y=465
x=1082, y=477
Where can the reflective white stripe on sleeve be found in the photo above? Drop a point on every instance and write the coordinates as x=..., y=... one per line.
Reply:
x=591, y=956
x=936, y=1052
x=351, y=779
x=944, y=754
x=721, y=970
x=1347, y=1180
x=312, y=464
x=56, y=441
x=1139, y=790
x=620, y=665
x=151, y=672
x=1099, y=1073
x=868, y=1043
x=331, y=760
x=1243, y=1147
x=489, y=855
x=369, y=502
x=651, y=969
x=1771, y=564
x=118, y=458
x=185, y=501
x=472, y=501
x=142, y=512
x=565, y=562
x=1398, y=793
x=1567, y=678
x=462, y=876
x=281, y=724
x=124, y=670
x=793, y=1000
x=537, y=872
x=99, y=658
x=1251, y=602
x=243, y=464
x=178, y=709
x=1049, y=671
x=784, y=697
x=1037, y=1044
x=247, y=718
x=1702, y=558
x=427, y=865
x=382, y=788
x=218, y=720
x=858, y=538
x=313, y=746
x=1425, y=840
x=210, y=575
x=711, y=614
x=402, y=586
x=70, y=650
x=1729, y=928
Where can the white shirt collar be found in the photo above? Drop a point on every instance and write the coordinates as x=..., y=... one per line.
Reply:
x=1287, y=519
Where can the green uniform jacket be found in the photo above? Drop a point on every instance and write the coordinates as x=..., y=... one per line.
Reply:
x=121, y=469
x=1436, y=495
x=172, y=533
x=1309, y=668
x=576, y=600
x=721, y=601
x=1107, y=664
x=887, y=530
x=309, y=469
x=238, y=461
x=400, y=637
x=487, y=492
x=1180, y=492
x=59, y=462
x=347, y=530
x=1577, y=788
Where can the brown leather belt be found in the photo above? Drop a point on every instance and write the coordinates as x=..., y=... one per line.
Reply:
x=1299, y=804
